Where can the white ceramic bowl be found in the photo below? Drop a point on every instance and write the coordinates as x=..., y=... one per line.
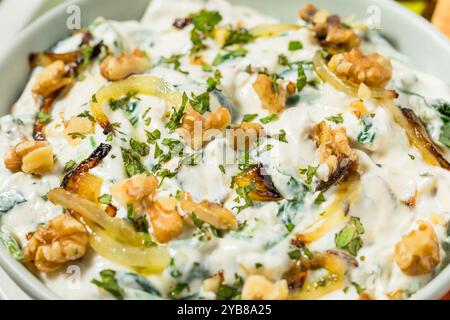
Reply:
x=410, y=34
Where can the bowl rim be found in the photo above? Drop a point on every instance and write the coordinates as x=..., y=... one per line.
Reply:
x=35, y=288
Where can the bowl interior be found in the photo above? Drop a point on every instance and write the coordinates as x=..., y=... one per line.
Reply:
x=396, y=24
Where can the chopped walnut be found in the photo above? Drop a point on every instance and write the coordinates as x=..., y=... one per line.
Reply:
x=209, y=212
x=166, y=222
x=272, y=94
x=136, y=190
x=245, y=134
x=30, y=157
x=329, y=29
x=61, y=240
x=418, y=252
x=200, y=129
x=336, y=152
x=257, y=287
x=124, y=65
x=51, y=79
x=374, y=70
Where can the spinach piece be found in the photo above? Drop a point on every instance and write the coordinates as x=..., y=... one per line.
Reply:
x=109, y=283
x=9, y=198
x=367, y=134
x=143, y=284
x=444, y=137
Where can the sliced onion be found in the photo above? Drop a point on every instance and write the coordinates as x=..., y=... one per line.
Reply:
x=328, y=76
x=146, y=259
x=334, y=279
x=417, y=135
x=93, y=214
x=272, y=30
x=147, y=85
x=335, y=214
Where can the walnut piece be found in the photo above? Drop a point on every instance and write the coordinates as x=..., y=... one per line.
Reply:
x=198, y=129
x=51, y=79
x=166, y=222
x=336, y=152
x=329, y=29
x=61, y=240
x=374, y=70
x=272, y=94
x=136, y=191
x=418, y=252
x=257, y=287
x=124, y=65
x=30, y=157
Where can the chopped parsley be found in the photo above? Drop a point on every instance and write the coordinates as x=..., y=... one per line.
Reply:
x=231, y=292
x=238, y=36
x=249, y=117
x=349, y=238
x=295, y=45
x=132, y=162
x=44, y=117
x=269, y=118
x=69, y=166
x=175, y=61
x=281, y=136
x=204, y=22
x=236, y=53
x=127, y=103
x=177, y=115
x=109, y=283
x=336, y=119
x=139, y=222
x=105, y=199
x=139, y=147
x=309, y=172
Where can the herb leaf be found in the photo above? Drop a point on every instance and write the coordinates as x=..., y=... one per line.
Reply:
x=132, y=162
x=349, y=238
x=109, y=283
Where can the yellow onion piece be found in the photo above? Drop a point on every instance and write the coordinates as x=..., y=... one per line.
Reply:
x=89, y=187
x=332, y=281
x=272, y=30
x=146, y=85
x=146, y=259
x=93, y=214
x=335, y=214
x=351, y=89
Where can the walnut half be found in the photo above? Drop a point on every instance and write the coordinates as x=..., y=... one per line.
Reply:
x=418, y=252
x=61, y=240
x=30, y=157
x=124, y=65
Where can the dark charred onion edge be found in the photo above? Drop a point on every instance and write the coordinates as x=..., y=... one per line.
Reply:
x=70, y=181
x=422, y=134
x=74, y=62
x=346, y=167
x=181, y=23
x=258, y=177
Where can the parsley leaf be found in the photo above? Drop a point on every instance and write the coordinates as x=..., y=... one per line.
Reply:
x=269, y=118
x=295, y=45
x=336, y=119
x=105, y=199
x=139, y=147
x=109, y=283
x=132, y=162
x=139, y=222
x=177, y=115
x=349, y=238
x=221, y=58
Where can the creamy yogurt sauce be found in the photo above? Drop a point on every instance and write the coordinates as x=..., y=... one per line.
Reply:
x=392, y=171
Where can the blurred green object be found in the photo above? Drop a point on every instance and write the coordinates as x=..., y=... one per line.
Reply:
x=424, y=8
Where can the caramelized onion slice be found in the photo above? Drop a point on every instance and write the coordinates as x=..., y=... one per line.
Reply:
x=272, y=30
x=146, y=85
x=261, y=182
x=147, y=259
x=93, y=214
x=417, y=134
x=333, y=280
x=328, y=76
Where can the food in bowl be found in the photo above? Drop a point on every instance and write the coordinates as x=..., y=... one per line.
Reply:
x=210, y=152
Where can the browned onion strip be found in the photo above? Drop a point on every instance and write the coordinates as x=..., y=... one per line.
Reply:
x=70, y=181
x=74, y=65
x=417, y=134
